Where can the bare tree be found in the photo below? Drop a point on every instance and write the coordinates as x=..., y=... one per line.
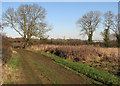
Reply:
x=88, y=23
x=26, y=20
x=42, y=32
x=108, y=24
x=1, y=28
x=116, y=27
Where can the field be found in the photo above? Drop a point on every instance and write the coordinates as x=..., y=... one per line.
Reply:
x=101, y=76
x=60, y=43
x=84, y=52
x=59, y=64
x=101, y=58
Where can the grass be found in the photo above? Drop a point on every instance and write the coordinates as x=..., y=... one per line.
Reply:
x=91, y=81
x=45, y=72
x=14, y=61
x=101, y=76
x=107, y=66
x=11, y=74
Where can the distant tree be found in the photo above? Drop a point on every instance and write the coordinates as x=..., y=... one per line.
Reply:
x=116, y=28
x=108, y=24
x=26, y=20
x=89, y=23
x=1, y=28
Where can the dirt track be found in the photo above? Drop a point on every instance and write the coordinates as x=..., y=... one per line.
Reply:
x=38, y=69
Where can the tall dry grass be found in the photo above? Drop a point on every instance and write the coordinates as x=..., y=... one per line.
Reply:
x=6, y=50
x=82, y=52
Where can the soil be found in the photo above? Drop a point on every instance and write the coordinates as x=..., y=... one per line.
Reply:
x=39, y=69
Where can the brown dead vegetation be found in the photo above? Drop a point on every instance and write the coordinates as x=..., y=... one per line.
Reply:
x=11, y=75
x=80, y=53
x=6, y=50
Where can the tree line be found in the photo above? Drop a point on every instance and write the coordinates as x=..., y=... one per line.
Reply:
x=90, y=22
x=29, y=21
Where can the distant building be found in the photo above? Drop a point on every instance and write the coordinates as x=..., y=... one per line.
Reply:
x=64, y=37
x=98, y=40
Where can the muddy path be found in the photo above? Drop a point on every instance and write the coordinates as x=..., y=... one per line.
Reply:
x=39, y=69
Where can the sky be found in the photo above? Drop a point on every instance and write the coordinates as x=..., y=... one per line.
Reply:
x=62, y=16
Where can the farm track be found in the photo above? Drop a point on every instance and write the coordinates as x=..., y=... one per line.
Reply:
x=39, y=69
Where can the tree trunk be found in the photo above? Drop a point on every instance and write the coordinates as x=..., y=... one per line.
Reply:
x=26, y=43
x=90, y=37
x=106, y=39
x=118, y=40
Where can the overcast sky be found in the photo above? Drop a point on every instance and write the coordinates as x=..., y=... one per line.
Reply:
x=63, y=16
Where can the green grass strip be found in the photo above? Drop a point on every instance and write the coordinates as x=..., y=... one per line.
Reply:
x=14, y=61
x=101, y=76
